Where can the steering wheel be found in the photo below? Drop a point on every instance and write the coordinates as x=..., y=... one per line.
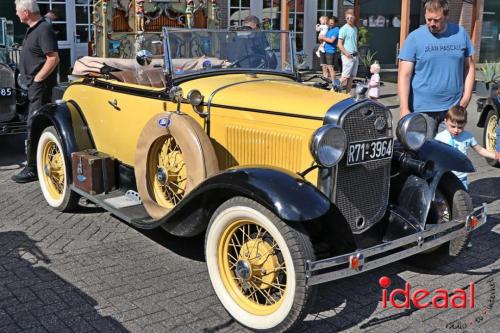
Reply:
x=263, y=59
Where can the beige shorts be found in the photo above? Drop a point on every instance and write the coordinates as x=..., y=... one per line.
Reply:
x=349, y=66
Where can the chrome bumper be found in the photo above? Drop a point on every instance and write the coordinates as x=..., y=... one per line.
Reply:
x=359, y=261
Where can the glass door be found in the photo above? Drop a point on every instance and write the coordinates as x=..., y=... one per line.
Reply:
x=62, y=24
x=83, y=28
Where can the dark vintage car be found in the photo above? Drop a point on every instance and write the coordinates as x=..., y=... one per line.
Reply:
x=293, y=186
x=13, y=96
x=489, y=107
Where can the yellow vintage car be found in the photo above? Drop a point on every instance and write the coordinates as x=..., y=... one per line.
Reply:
x=292, y=185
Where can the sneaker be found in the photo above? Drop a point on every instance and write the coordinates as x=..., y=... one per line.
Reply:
x=26, y=175
x=318, y=54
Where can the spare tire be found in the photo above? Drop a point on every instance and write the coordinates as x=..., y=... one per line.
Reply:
x=173, y=155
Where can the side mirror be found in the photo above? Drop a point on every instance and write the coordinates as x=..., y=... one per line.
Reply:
x=144, y=57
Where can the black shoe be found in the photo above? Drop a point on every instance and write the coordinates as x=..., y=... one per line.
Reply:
x=27, y=175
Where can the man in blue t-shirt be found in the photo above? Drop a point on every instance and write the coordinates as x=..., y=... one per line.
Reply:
x=436, y=69
x=330, y=40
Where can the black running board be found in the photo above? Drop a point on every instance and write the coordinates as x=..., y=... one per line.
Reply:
x=135, y=215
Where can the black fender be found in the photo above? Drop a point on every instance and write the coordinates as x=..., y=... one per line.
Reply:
x=485, y=105
x=445, y=157
x=287, y=195
x=69, y=123
x=416, y=195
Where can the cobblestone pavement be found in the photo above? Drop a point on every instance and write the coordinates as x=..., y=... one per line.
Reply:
x=89, y=271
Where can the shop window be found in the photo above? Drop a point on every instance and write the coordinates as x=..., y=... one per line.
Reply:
x=325, y=8
x=271, y=19
x=238, y=10
x=59, y=24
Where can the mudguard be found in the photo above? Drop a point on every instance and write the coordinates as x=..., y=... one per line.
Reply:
x=287, y=195
x=445, y=157
x=417, y=194
x=69, y=124
x=484, y=105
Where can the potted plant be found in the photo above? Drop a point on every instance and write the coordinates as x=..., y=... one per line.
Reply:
x=367, y=59
x=489, y=72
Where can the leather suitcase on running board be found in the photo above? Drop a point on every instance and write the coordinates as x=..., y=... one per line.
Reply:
x=93, y=172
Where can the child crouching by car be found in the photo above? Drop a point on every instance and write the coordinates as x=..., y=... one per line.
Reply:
x=457, y=137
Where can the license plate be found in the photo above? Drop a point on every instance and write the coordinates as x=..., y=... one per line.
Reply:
x=369, y=150
x=5, y=92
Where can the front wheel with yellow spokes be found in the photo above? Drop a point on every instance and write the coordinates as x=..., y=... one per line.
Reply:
x=52, y=172
x=256, y=264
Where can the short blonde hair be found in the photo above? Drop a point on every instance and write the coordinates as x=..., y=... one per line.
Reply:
x=324, y=18
x=376, y=65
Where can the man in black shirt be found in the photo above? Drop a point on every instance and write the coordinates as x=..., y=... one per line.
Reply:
x=38, y=64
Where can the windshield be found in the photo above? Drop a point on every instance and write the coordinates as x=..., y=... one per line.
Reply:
x=195, y=51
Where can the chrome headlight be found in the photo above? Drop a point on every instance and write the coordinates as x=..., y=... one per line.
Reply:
x=413, y=130
x=328, y=145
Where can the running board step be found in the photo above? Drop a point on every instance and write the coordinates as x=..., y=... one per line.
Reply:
x=117, y=203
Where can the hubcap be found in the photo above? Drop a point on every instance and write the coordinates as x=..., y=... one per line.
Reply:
x=252, y=267
x=161, y=176
x=243, y=270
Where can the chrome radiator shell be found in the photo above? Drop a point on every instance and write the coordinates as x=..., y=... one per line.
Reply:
x=361, y=192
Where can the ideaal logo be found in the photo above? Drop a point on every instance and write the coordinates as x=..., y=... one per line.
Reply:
x=440, y=297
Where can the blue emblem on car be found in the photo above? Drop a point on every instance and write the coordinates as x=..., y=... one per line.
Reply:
x=164, y=122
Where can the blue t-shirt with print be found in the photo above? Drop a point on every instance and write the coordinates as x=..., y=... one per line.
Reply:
x=350, y=37
x=462, y=142
x=437, y=82
x=332, y=47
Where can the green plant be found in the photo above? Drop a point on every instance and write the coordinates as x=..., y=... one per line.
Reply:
x=363, y=36
x=367, y=58
x=489, y=71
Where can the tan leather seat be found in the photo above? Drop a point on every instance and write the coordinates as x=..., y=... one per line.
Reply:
x=147, y=77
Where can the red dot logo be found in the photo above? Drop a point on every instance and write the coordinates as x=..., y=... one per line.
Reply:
x=384, y=282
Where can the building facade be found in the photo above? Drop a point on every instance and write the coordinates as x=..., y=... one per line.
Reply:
x=381, y=18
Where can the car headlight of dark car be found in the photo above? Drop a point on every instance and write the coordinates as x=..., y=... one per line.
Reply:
x=413, y=130
x=328, y=144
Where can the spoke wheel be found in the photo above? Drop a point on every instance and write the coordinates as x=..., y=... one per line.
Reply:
x=256, y=263
x=51, y=168
x=490, y=135
x=167, y=172
x=253, y=268
x=173, y=155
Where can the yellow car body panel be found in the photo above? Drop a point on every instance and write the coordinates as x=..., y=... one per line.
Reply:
x=272, y=131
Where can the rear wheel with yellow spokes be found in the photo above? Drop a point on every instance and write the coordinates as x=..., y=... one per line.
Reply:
x=256, y=264
x=52, y=172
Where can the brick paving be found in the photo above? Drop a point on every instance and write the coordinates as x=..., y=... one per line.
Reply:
x=90, y=272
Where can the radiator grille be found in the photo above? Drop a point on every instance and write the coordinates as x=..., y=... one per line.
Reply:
x=6, y=77
x=361, y=191
x=257, y=146
x=7, y=103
